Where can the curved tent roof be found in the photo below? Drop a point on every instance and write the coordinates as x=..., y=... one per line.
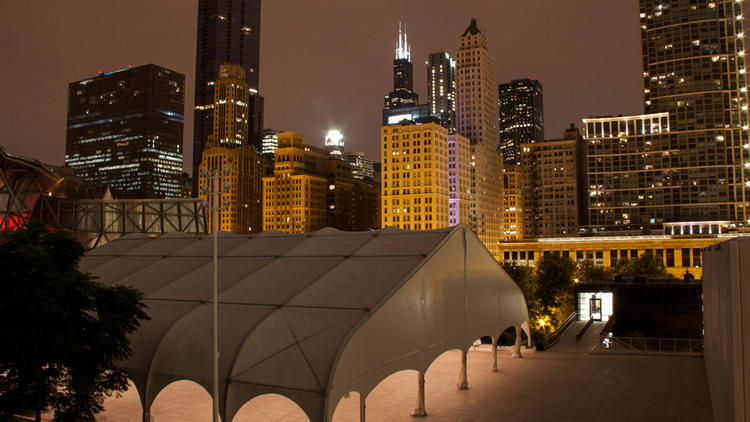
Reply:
x=310, y=316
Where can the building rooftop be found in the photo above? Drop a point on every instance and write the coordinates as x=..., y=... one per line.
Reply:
x=473, y=29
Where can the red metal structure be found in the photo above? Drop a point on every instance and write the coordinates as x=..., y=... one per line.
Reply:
x=25, y=183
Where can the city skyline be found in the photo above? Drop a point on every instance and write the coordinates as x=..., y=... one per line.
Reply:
x=574, y=87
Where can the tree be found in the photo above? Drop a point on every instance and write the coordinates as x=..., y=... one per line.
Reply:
x=647, y=265
x=522, y=275
x=554, y=287
x=588, y=272
x=63, y=332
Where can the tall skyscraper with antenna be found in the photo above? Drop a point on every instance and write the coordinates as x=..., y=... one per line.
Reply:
x=403, y=103
x=403, y=94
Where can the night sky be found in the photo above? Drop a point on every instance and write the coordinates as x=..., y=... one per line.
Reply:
x=324, y=63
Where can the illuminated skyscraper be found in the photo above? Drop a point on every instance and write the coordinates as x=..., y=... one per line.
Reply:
x=441, y=88
x=270, y=142
x=477, y=120
x=334, y=142
x=403, y=103
x=415, y=180
x=521, y=118
x=686, y=159
x=228, y=32
x=231, y=111
x=553, y=186
x=459, y=179
x=310, y=189
x=403, y=94
x=124, y=131
x=227, y=148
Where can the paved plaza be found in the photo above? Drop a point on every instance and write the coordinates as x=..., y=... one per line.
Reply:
x=565, y=385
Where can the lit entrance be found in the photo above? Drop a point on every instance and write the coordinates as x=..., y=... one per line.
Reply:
x=595, y=306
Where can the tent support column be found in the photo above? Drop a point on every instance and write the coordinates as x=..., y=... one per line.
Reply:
x=419, y=410
x=361, y=407
x=526, y=328
x=493, y=367
x=463, y=383
x=146, y=416
x=517, y=345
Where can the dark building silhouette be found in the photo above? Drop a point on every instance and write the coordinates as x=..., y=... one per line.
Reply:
x=124, y=131
x=228, y=32
x=521, y=119
x=441, y=88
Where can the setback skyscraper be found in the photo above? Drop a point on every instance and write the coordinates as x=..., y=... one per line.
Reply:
x=228, y=32
x=124, y=131
x=477, y=120
x=441, y=88
x=521, y=118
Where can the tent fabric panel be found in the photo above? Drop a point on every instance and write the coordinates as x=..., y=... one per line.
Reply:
x=321, y=349
x=267, y=246
x=307, y=322
x=123, y=245
x=268, y=337
x=146, y=339
x=356, y=283
x=402, y=243
x=92, y=262
x=198, y=284
x=117, y=269
x=287, y=368
x=508, y=303
x=204, y=246
x=185, y=349
x=331, y=244
x=161, y=273
x=161, y=247
x=278, y=281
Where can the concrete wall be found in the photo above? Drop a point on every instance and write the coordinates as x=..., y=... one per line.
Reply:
x=726, y=299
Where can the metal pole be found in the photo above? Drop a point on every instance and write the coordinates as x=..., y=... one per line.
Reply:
x=215, y=330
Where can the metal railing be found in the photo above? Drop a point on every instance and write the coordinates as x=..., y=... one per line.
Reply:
x=552, y=338
x=581, y=333
x=652, y=345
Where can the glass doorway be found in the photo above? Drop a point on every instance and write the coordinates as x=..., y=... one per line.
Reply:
x=595, y=307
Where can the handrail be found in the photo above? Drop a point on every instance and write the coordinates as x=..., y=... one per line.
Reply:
x=583, y=330
x=653, y=345
x=550, y=339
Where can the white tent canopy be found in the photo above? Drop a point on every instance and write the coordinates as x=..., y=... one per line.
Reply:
x=310, y=316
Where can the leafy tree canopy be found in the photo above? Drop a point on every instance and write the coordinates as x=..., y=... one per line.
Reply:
x=63, y=332
x=647, y=265
x=588, y=272
x=554, y=276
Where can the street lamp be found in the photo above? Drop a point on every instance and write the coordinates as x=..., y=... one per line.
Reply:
x=214, y=193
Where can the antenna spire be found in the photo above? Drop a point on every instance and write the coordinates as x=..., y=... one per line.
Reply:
x=403, y=51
